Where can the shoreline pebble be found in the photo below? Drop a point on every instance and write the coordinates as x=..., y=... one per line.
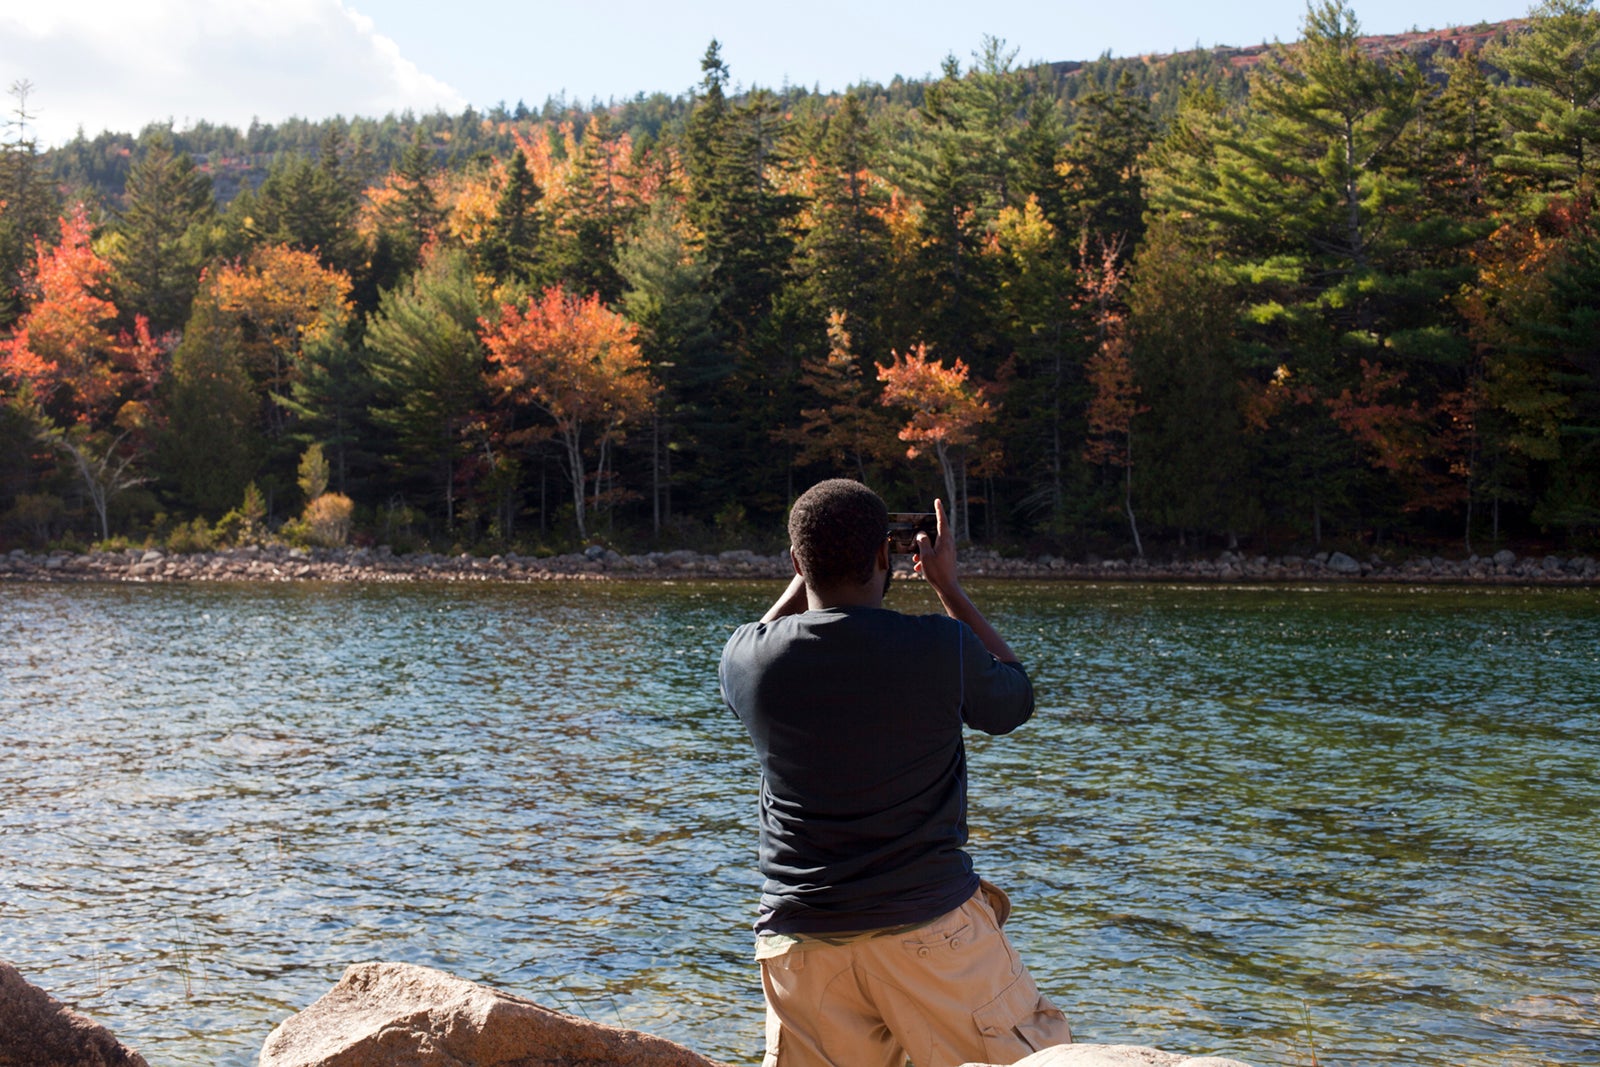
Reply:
x=282, y=564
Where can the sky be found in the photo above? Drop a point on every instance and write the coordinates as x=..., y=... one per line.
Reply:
x=120, y=64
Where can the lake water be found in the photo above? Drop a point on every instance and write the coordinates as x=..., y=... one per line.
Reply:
x=1259, y=822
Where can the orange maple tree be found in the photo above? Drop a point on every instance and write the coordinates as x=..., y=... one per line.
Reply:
x=65, y=347
x=1394, y=431
x=847, y=429
x=946, y=411
x=83, y=383
x=579, y=363
x=1113, y=396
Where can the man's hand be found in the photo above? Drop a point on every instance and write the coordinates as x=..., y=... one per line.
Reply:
x=935, y=558
x=937, y=563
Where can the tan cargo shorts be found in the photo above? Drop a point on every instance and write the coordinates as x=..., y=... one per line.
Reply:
x=947, y=992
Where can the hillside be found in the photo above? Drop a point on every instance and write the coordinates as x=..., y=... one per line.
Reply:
x=97, y=167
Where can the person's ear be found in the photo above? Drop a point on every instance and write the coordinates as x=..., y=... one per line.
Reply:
x=883, y=555
x=794, y=561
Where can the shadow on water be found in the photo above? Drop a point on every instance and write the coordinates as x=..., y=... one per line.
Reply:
x=1239, y=815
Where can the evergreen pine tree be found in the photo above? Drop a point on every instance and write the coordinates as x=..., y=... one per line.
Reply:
x=512, y=246
x=1102, y=183
x=843, y=257
x=31, y=205
x=1553, y=103
x=157, y=251
x=427, y=365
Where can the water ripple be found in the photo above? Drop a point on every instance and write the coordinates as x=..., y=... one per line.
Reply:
x=1242, y=820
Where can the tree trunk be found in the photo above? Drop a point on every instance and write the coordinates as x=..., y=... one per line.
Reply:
x=655, y=472
x=600, y=474
x=100, y=480
x=1057, y=493
x=1352, y=194
x=575, y=474
x=949, y=473
x=1127, y=502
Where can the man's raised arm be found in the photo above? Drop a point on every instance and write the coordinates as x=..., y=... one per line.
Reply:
x=792, y=601
x=937, y=563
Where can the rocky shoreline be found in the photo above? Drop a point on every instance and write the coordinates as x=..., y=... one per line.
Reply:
x=282, y=564
x=385, y=1013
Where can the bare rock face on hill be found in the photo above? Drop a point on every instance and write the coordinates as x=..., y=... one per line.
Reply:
x=402, y=1015
x=36, y=1030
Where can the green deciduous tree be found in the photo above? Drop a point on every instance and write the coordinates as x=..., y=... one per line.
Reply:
x=213, y=444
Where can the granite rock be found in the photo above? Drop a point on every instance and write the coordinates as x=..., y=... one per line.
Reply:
x=404, y=1015
x=36, y=1030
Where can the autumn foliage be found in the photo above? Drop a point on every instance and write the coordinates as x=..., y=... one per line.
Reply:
x=68, y=348
x=1337, y=295
x=579, y=364
x=947, y=411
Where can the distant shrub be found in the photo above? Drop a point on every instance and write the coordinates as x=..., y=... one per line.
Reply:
x=327, y=519
x=245, y=524
x=314, y=473
x=192, y=536
x=34, y=516
x=294, y=533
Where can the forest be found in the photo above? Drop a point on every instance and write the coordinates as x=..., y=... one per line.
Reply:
x=1340, y=293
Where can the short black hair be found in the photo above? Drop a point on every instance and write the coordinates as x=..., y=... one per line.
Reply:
x=836, y=529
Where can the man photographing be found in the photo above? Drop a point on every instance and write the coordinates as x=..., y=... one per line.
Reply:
x=877, y=940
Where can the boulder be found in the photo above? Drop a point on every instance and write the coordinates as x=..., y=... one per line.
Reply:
x=394, y=1014
x=36, y=1030
x=1115, y=1056
x=1339, y=563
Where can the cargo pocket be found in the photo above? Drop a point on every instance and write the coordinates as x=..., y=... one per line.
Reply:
x=1020, y=1021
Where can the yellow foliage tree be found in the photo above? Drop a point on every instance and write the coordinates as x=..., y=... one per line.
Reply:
x=283, y=300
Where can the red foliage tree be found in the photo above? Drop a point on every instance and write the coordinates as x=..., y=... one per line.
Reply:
x=79, y=380
x=580, y=364
x=946, y=411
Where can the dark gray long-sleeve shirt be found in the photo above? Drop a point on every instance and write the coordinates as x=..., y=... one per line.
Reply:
x=856, y=715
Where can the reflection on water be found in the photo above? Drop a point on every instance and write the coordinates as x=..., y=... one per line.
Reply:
x=1240, y=817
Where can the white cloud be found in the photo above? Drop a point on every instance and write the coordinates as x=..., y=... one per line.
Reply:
x=102, y=64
